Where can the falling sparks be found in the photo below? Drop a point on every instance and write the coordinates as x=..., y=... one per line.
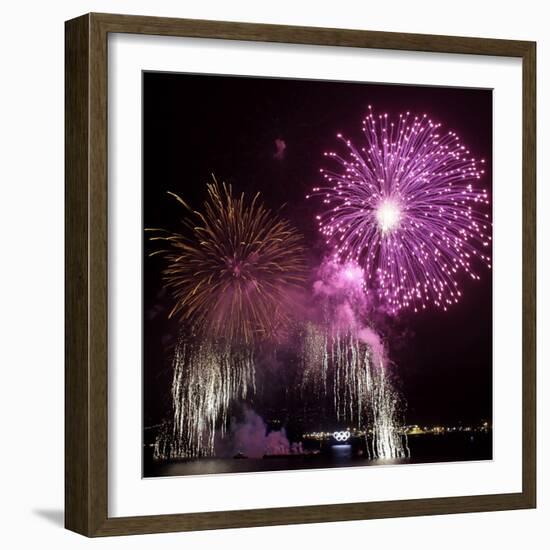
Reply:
x=208, y=378
x=407, y=208
x=361, y=388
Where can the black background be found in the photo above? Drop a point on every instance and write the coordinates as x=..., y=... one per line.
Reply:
x=198, y=125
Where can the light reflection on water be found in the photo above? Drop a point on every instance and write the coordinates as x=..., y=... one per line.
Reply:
x=340, y=458
x=424, y=450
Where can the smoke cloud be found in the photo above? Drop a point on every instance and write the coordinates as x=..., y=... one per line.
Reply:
x=251, y=437
x=373, y=340
x=280, y=146
x=342, y=286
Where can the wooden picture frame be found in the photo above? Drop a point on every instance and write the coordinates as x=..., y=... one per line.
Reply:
x=86, y=415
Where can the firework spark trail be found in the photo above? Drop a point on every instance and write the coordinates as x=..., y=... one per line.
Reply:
x=386, y=440
x=234, y=269
x=207, y=378
x=362, y=391
x=352, y=376
x=315, y=361
x=404, y=208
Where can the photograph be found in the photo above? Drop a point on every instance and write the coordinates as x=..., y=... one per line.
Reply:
x=316, y=274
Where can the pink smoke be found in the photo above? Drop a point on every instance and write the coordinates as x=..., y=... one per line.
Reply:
x=251, y=438
x=343, y=286
x=337, y=278
x=280, y=145
x=373, y=340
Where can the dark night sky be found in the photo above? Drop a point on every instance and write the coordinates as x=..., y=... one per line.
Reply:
x=196, y=125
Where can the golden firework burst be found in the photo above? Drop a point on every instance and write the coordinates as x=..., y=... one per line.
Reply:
x=235, y=268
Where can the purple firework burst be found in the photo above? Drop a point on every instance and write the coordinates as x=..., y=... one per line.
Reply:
x=406, y=207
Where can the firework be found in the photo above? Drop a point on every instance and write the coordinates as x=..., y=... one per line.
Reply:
x=234, y=268
x=362, y=390
x=387, y=438
x=208, y=377
x=233, y=271
x=406, y=208
x=344, y=358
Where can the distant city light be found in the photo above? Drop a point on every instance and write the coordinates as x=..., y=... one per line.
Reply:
x=411, y=429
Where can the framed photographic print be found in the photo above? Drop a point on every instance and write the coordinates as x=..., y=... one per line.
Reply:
x=300, y=275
